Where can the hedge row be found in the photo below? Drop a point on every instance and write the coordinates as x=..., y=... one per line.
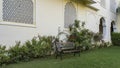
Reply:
x=36, y=48
x=115, y=37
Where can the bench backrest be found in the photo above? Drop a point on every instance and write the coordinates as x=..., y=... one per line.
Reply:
x=64, y=46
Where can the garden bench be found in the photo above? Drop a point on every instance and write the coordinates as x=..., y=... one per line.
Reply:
x=61, y=48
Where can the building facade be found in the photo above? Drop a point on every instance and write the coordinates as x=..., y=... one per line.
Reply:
x=21, y=20
x=118, y=17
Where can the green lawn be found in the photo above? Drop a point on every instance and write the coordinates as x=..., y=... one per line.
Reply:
x=98, y=58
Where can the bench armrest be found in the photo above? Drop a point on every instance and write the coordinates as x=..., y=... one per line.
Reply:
x=57, y=47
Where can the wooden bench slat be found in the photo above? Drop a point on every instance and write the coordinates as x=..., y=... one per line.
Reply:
x=68, y=47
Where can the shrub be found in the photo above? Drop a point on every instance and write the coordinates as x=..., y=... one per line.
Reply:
x=42, y=46
x=15, y=53
x=84, y=37
x=35, y=48
x=80, y=35
x=97, y=37
x=4, y=58
x=115, y=39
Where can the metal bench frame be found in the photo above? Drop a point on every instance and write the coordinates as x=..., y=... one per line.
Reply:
x=61, y=48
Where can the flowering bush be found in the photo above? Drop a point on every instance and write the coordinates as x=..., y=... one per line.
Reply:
x=82, y=36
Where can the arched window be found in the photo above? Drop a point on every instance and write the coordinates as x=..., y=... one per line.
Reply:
x=113, y=26
x=102, y=27
x=19, y=11
x=69, y=14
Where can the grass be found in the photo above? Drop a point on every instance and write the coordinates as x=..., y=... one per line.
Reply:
x=98, y=58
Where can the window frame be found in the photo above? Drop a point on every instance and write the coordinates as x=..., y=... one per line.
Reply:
x=20, y=23
x=69, y=5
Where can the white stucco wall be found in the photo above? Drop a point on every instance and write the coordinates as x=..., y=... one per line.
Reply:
x=118, y=18
x=118, y=22
x=49, y=16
